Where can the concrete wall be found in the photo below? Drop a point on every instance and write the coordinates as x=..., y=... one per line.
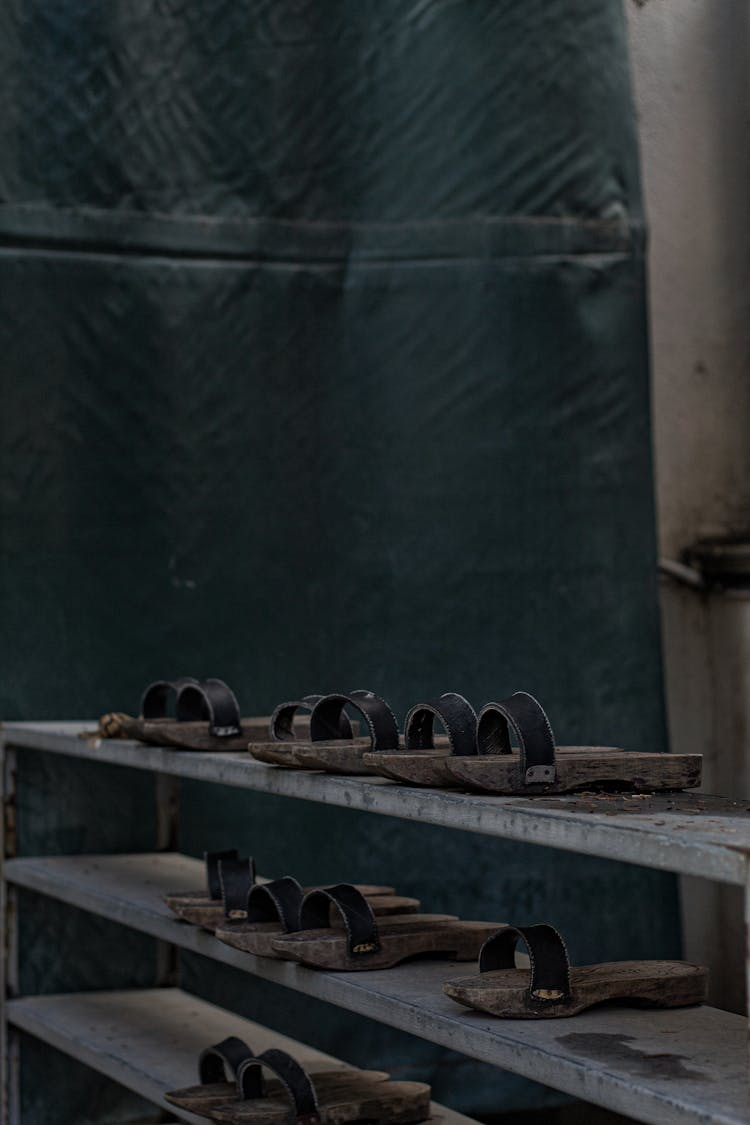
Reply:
x=691, y=67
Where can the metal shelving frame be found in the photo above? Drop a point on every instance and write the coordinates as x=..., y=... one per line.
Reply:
x=665, y=1067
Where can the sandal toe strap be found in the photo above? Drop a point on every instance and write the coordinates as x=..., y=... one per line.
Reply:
x=155, y=699
x=236, y=879
x=523, y=715
x=355, y=910
x=325, y=720
x=212, y=861
x=279, y=900
x=222, y=1061
x=457, y=716
x=282, y=720
x=294, y=1078
x=548, y=955
x=211, y=700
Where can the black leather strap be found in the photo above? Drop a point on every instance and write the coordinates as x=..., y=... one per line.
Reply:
x=525, y=716
x=155, y=699
x=221, y=1063
x=457, y=716
x=236, y=877
x=212, y=700
x=548, y=954
x=282, y=720
x=293, y=1077
x=212, y=860
x=278, y=901
x=325, y=720
x=359, y=920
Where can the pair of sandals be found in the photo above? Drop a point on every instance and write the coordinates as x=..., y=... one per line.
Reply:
x=232, y=1091
x=344, y=927
x=235, y=894
x=189, y=714
x=476, y=752
x=296, y=926
x=348, y=928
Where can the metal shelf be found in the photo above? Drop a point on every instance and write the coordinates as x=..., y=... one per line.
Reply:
x=688, y=833
x=149, y=1040
x=666, y=1067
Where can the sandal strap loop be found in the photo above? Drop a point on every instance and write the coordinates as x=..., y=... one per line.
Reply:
x=212, y=700
x=236, y=878
x=548, y=954
x=279, y=900
x=222, y=1061
x=155, y=699
x=325, y=720
x=212, y=860
x=282, y=720
x=355, y=910
x=525, y=716
x=457, y=716
x=294, y=1078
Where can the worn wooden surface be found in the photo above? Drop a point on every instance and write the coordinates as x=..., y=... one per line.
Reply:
x=575, y=769
x=657, y=984
x=639, y=773
x=342, y=1095
x=203, y=1098
x=689, y=833
x=666, y=1067
x=149, y=1040
x=400, y=939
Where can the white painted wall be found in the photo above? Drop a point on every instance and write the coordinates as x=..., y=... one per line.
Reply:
x=691, y=70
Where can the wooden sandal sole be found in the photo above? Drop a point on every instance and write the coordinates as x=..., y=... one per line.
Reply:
x=581, y=768
x=435, y=771
x=196, y=736
x=339, y=756
x=329, y=949
x=203, y=1099
x=258, y=937
x=389, y=1103
x=654, y=984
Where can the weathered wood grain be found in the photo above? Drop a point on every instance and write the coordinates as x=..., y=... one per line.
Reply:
x=399, y=940
x=581, y=769
x=342, y=1101
x=653, y=984
x=203, y=1099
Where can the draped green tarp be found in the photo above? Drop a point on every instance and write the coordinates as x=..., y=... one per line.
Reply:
x=324, y=365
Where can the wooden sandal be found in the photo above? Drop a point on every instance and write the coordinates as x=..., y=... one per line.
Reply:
x=234, y=879
x=207, y=717
x=333, y=1099
x=332, y=745
x=273, y=909
x=539, y=767
x=217, y=1073
x=424, y=759
x=218, y=1069
x=283, y=736
x=554, y=989
x=206, y=908
x=364, y=944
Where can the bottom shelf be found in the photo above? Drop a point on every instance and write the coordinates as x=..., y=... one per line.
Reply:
x=149, y=1040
